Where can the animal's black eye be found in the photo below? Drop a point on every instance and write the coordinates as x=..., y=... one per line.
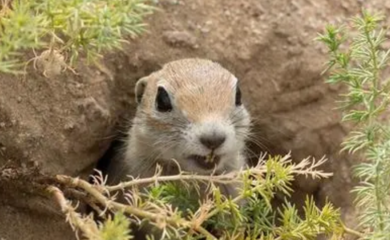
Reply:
x=238, y=96
x=163, y=102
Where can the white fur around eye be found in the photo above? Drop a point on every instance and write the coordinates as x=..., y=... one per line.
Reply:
x=235, y=81
x=162, y=83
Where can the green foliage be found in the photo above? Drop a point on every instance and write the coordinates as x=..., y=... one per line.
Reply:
x=117, y=228
x=359, y=63
x=325, y=220
x=258, y=217
x=171, y=205
x=177, y=194
x=67, y=27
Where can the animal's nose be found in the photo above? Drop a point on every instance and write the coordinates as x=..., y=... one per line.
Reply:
x=212, y=141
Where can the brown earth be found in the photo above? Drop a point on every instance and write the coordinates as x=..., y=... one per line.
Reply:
x=64, y=124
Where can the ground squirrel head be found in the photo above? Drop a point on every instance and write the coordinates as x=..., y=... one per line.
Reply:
x=191, y=111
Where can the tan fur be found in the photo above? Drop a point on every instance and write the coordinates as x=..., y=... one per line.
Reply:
x=191, y=89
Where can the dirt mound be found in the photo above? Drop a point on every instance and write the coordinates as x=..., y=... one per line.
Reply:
x=64, y=124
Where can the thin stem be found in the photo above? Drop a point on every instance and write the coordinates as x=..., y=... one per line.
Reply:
x=223, y=179
x=206, y=233
x=127, y=208
x=378, y=196
x=375, y=82
x=73, y=217
x=373, y=50
x=105, y=201
x=305, y=167
x=351, y=231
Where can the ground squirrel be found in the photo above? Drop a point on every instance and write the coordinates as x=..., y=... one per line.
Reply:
x=190, y=111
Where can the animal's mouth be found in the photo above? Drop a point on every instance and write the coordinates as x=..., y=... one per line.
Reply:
x=207, y=162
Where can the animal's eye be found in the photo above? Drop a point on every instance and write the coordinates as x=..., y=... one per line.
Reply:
x=163, y=102
x=238, y=96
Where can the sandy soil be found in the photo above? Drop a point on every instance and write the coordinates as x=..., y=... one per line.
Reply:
x=64, y=124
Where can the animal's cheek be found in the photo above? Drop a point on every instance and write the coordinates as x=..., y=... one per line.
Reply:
x=230, y=144
x=186, y=142
x=234, y=141
x=190, y=144
x=239, y=140
x=158, y=125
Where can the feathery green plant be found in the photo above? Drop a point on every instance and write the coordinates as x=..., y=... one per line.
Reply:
x=66, y=28
x=359, y=63
x=116, y=228
x=217, y=216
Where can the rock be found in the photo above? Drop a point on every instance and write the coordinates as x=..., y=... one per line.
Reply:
x=179, y=39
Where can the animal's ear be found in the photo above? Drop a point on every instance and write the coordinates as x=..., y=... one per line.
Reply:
x=140, y=89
